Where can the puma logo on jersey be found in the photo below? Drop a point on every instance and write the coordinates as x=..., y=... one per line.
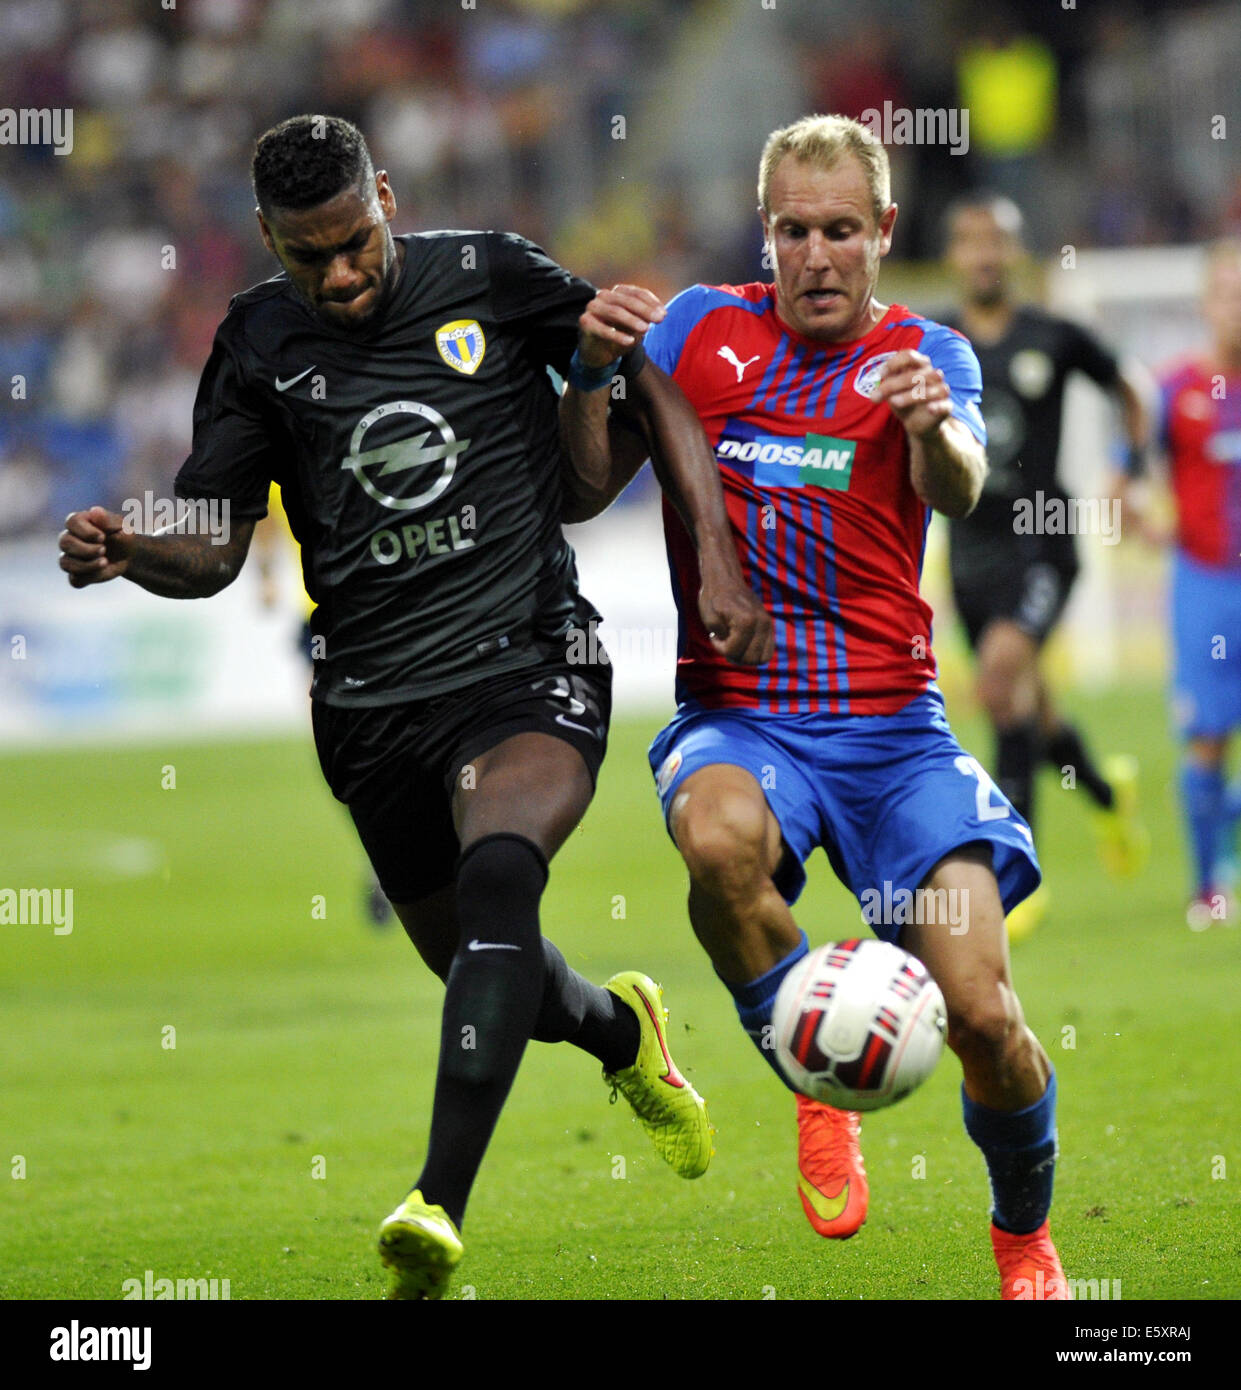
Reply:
x=730, y=356
x=293, y=380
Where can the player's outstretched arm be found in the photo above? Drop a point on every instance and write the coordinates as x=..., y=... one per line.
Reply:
x=947, y=464
x=1131, y=486
x=737, y=623
x=948, y=467
x=1146, y=510
x=95, y=547
x=659, y=420
x=613, y=471
x=1134, y=389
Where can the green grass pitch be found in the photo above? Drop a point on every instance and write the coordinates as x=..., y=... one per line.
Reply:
x=291, y=1115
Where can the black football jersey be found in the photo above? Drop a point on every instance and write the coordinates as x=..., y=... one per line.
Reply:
x=1023, y=379
x=418, y=463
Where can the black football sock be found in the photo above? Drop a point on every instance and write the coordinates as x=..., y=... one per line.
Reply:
x=495, y=991
x=586, y=1015
x=1064, y=749
x=1016, y=757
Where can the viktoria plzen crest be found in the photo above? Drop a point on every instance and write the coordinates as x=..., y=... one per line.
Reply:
x=461, y=344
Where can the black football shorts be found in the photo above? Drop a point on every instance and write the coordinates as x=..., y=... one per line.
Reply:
x=396, y=766
x=1031, y=590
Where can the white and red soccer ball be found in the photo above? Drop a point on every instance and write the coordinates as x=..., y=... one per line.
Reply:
x=859, y=1024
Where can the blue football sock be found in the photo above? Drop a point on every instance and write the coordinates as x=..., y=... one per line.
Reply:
x=1020, y=1149
x=1202, y=794
x=1229, y=822
x=755, y=999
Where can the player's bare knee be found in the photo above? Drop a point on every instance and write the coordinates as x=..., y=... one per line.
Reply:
x=987, y=1026
x=723, y=842
x=997, y=691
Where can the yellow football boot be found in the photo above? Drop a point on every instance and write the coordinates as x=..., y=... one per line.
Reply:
x=421, y=1245
x=1027, y=915
x=668, y=1107
x=1124, y=842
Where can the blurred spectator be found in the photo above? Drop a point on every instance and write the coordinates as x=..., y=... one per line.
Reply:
x=117, y=262
x=622, y=135
x=1007, y=81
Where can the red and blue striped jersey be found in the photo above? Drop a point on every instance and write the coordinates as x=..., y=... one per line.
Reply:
x=816, y=480
x=1200, y=428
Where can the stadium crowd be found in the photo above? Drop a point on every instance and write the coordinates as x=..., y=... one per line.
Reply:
x=117, y=258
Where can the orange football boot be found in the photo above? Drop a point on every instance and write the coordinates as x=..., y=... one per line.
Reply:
x=831, y=1180
x=1029, y=1265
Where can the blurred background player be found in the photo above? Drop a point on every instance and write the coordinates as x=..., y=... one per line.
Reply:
x=1011, y=587
x=1200, y=434
x=273, y=538
x=838, y=424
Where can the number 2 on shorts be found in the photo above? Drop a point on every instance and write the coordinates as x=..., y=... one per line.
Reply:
x=971, y=767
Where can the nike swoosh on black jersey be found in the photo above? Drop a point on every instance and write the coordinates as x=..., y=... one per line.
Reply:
x=293, y=380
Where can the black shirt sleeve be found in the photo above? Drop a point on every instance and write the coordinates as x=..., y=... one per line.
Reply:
x=234, y=451
x=543, y=302
x=1085, y=353
x=537, y=298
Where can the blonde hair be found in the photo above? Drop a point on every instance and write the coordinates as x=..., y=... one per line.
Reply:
x=824, y=141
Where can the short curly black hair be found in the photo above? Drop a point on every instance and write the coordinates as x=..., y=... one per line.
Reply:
x=308, y=160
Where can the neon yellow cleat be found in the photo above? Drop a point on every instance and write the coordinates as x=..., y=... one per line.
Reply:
x=421, y=1245
x=1124, y=842
x=1026, y=916
x=670, y=1110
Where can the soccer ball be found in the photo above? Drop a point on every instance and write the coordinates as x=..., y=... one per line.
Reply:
x=858, y=1024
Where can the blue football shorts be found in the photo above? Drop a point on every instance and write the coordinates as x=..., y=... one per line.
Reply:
x=1206, y=647
x=886, y=796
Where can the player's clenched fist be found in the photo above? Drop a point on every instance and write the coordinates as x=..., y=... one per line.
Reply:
x=916, y=391
x=94, y=547
x=739, y=627
x=614, y=323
